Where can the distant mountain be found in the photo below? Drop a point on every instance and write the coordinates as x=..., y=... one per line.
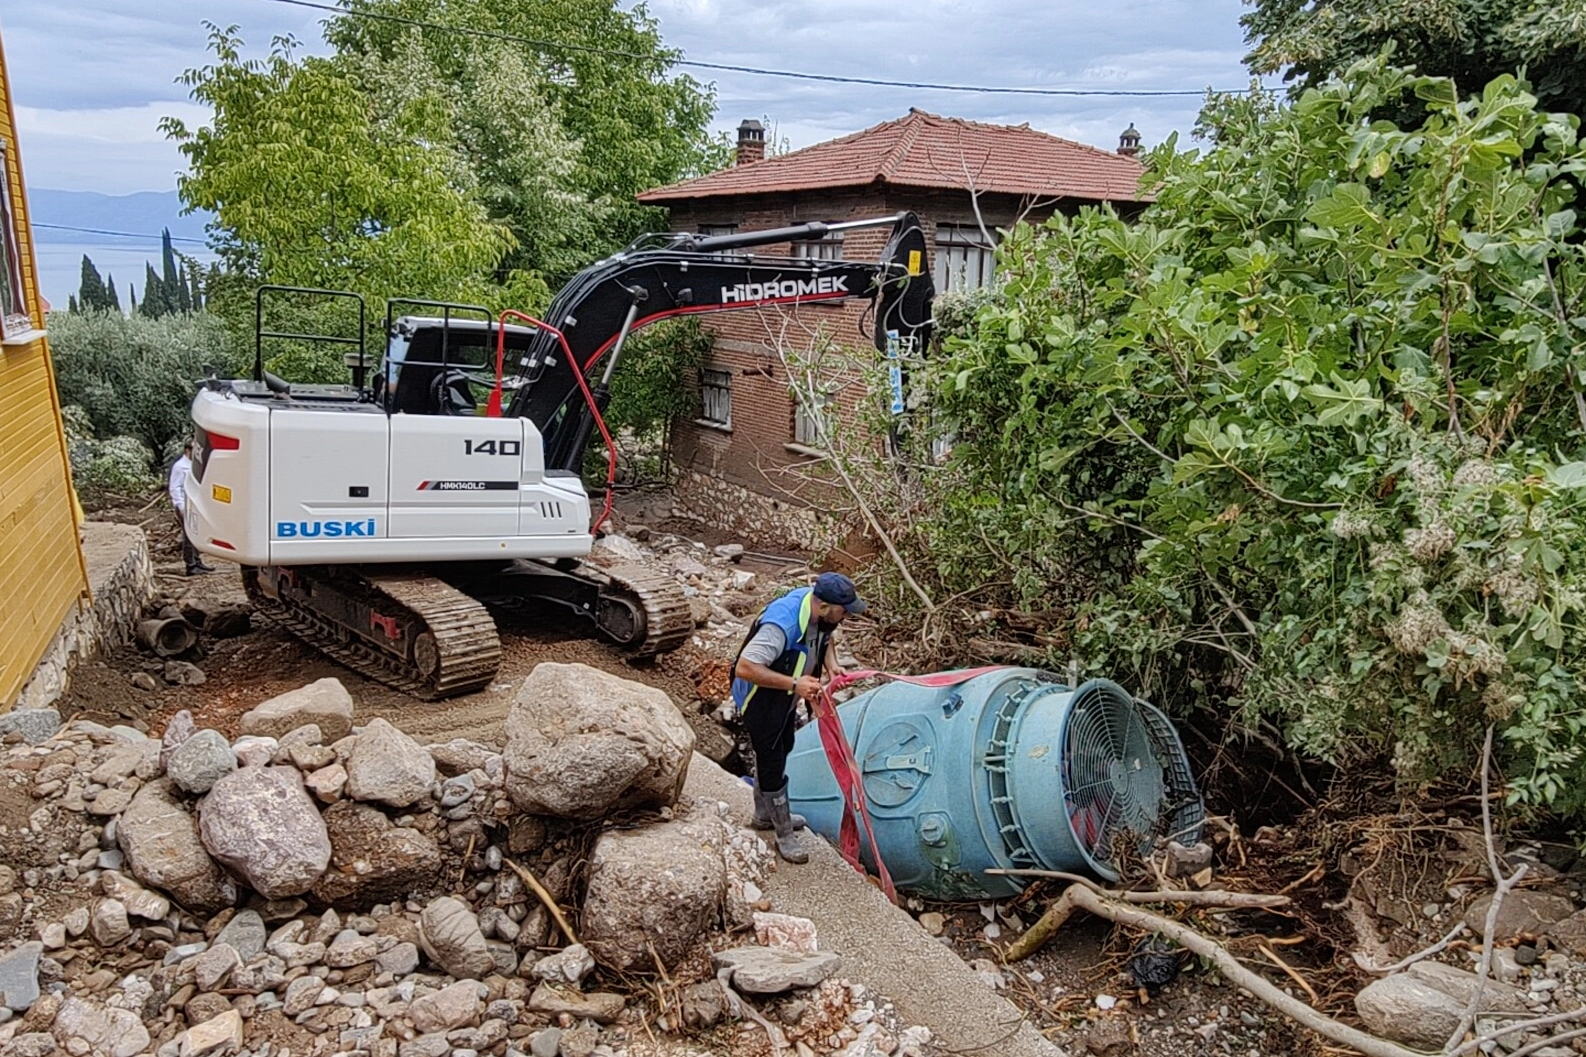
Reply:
x=143, y=214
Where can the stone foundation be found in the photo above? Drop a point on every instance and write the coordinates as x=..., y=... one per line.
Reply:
x=121, y=579
x=733, y=508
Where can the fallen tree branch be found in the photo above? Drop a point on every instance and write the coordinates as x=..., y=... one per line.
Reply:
x=1524, y=1026
x=736, y=1006
x=1505, y=885
x=1409, y=960
x=1082, y=897
x=1208, y=897
x=545, y=898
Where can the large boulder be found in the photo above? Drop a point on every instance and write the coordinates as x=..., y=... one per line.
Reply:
x=161, y=842
x=260, y=822
x=388, y=767
x=1421, y=1006
x=582, y=743
x=372, y=861
x=1523, y=912
x=655, y=888
x=324, y=702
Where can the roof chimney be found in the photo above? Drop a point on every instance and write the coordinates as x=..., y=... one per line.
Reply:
x=751, y=142
x=1128, y=142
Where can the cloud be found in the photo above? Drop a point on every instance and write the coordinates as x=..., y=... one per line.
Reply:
x=1184, y=45
x=115, y=150
x=94, y=76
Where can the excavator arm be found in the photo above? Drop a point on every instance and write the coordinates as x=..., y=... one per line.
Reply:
x=665, y=276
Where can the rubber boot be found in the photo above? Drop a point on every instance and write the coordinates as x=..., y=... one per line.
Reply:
x=762, y=814
x=787, y=844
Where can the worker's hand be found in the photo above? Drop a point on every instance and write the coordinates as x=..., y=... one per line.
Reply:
x=808, y=687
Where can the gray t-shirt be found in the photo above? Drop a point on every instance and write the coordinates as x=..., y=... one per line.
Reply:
x=769, y=642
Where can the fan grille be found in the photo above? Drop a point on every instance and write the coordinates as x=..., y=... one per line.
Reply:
x=1115, y=790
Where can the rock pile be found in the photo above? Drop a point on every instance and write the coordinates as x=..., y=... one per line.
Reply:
x=314, y=887
x=1535, y=973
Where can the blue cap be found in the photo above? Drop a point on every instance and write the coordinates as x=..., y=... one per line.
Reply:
x=836, y=589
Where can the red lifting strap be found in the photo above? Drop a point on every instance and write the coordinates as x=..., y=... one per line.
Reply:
x=846, y=769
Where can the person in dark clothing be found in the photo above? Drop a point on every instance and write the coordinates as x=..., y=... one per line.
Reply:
x=786, y=658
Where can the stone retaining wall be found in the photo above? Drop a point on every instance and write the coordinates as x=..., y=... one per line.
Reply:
x=733, y=508
x=121, y=578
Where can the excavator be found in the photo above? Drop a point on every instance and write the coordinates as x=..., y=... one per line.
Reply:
x=382, y=520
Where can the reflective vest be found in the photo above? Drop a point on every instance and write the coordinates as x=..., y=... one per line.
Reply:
x=793, y=613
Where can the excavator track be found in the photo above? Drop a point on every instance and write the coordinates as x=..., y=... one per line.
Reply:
x=413, y=632
x=668, y=617
x=642, y=611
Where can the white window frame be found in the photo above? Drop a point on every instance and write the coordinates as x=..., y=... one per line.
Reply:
x=807, y=422
x=715, y=397
x=15, y=316
x=829, y=248
x=964, y=259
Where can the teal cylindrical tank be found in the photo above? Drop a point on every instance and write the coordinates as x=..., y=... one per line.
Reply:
x=1009, y=769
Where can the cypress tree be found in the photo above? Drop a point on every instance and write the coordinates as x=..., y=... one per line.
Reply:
x=153, y=293
x=172, y=293
x=114, y=302
x=91, y=293
x=71, y=303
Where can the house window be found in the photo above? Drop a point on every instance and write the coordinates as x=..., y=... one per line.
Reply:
x=715, y=397
x=964, y=259
x=808, y=421
x=712, y=230
x=829, y=248
x=14, y=318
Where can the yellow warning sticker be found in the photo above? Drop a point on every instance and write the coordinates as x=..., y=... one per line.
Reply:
x=221, y=493
x=914, y=262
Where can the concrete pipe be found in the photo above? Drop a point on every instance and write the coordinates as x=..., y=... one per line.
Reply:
x=167, y=636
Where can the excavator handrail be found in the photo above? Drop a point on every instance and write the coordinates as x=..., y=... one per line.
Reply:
x=493, y=405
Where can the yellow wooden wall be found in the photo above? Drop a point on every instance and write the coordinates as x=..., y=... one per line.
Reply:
x=42, y=572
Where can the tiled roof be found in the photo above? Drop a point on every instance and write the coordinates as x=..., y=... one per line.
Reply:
x=924, y=150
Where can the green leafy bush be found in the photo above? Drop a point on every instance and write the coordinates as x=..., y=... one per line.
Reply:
x=117, y=466
x=136, y=376
x=1305, y=439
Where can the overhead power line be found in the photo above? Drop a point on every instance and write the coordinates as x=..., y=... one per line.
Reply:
x=553, y=45
x=118, y=234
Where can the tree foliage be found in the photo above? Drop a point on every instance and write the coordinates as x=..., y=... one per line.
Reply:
x=1310, y=436
x=560, y=135
x=92, y=293
x=1470, y=41
x=310, y=186
x=175, y=288
x=135, y=376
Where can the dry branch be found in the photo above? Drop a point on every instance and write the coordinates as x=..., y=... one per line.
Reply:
x=545, y=898
x=1504, y=886
x=1082, y=897
x=1207, y=898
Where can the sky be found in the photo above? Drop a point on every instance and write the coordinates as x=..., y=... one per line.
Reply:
x=92, y=78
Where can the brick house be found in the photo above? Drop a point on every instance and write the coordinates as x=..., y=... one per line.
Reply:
x=737, y=460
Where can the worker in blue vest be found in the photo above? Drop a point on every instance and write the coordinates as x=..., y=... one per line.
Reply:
x=786, y=657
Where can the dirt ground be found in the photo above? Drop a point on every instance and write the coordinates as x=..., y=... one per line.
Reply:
x=1074, y=989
